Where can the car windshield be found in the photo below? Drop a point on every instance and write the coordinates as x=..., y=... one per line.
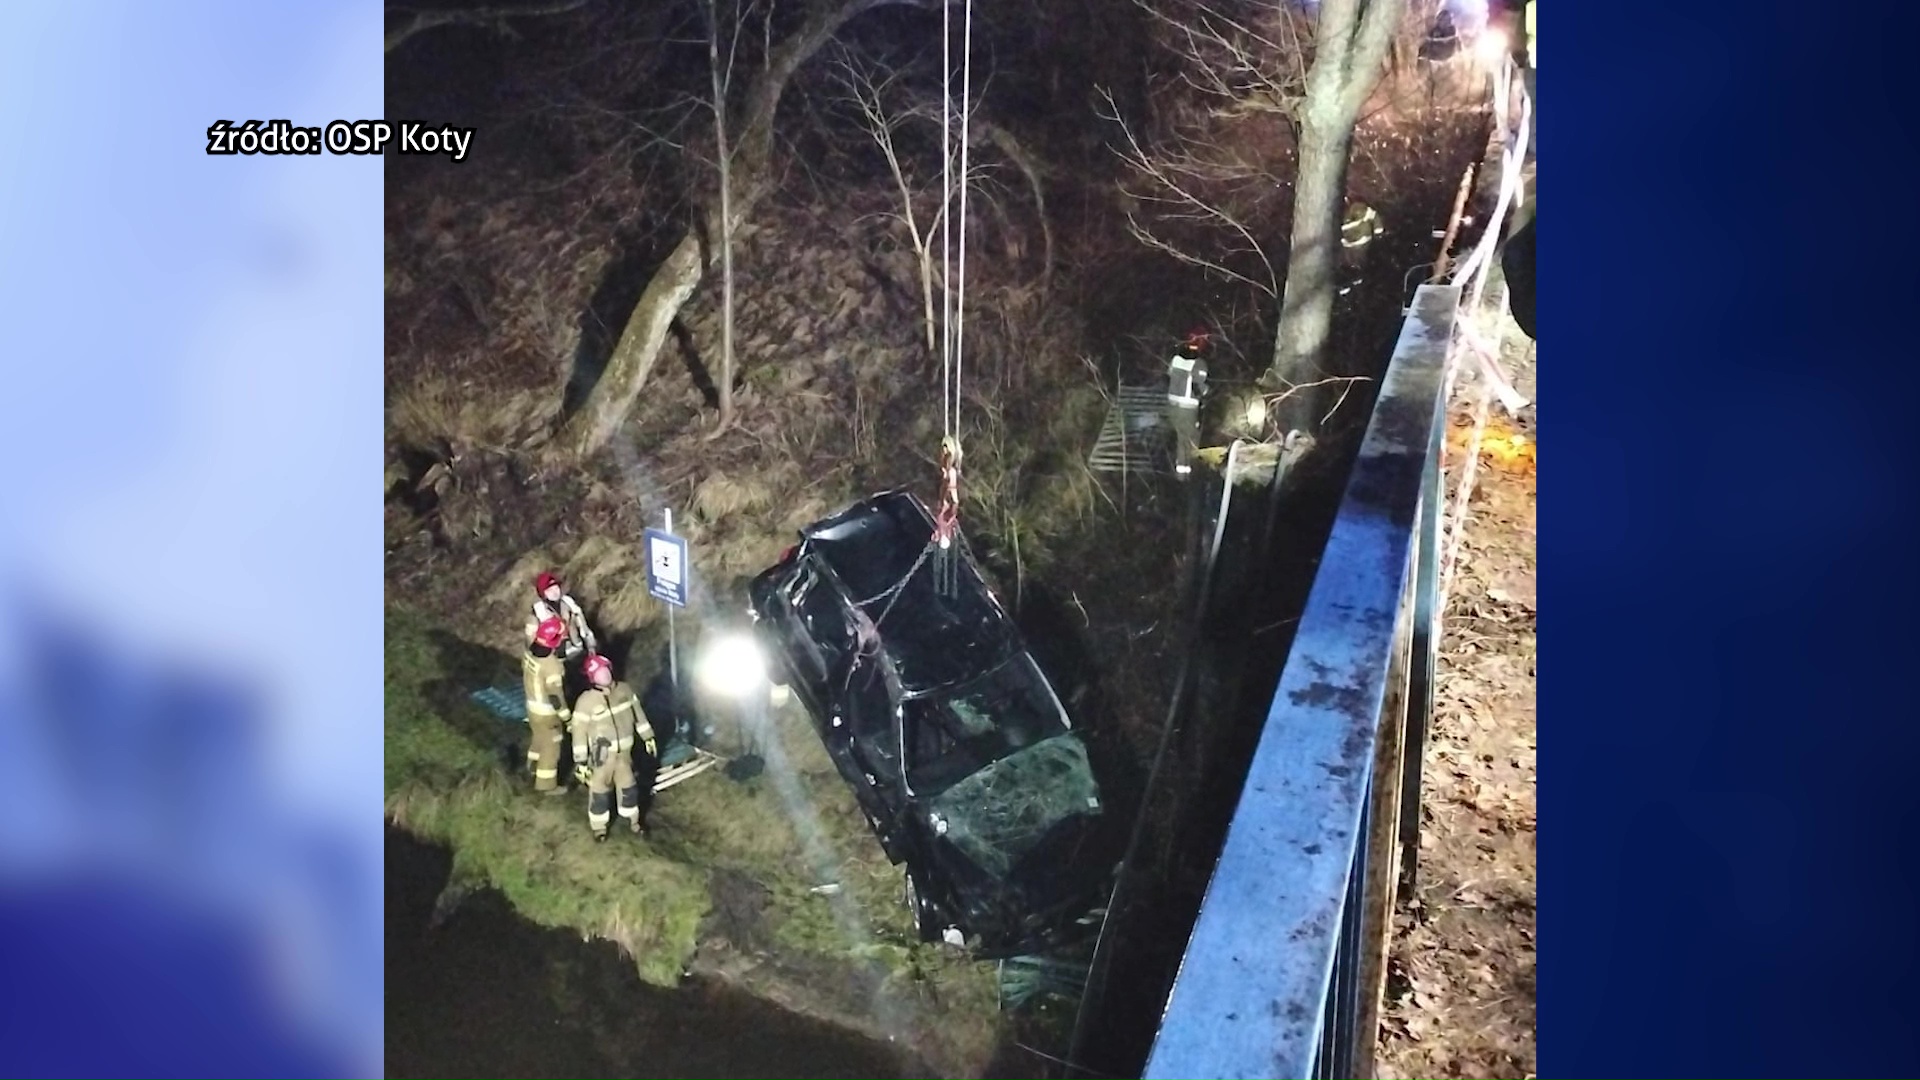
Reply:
x=1001, y=813
x=1000, y=713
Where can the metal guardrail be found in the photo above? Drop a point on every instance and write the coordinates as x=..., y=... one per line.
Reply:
x=1283, y=972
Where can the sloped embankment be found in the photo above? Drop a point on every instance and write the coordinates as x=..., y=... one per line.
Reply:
x=775, y=883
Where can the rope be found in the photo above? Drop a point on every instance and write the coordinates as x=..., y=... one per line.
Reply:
x=1472, y=272
x=953, y=287
x=946, y=220
x=966, y=113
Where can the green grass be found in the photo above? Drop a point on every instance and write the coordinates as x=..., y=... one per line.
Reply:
x=447, y=782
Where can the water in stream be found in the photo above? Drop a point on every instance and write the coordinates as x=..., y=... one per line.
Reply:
x=487, y=993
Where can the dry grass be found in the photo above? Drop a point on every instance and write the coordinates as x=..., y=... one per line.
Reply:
x=437, y=414
x=600, y=565
x=720, y=496
x=539, y=854
x=787, y=831
x=630, y=607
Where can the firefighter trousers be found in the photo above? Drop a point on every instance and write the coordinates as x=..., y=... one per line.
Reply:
x=1185, y=420
x=543, y=751
x=616, y=772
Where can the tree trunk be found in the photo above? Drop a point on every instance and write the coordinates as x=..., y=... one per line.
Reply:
x=626, y=373
x=1350, y=47
x=924, y=249
x=726, y=218
x=612, y=397
x=1306, y=304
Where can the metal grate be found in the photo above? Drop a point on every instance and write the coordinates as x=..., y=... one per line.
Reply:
x=505, y=702
x=1135, y=436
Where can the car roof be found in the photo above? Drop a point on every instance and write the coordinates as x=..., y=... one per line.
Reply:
x=934, y=641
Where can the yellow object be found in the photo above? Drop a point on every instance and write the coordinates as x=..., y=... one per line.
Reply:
x=612, y=716
x=1361, y=225
x=1531, y=37
x=546, y=712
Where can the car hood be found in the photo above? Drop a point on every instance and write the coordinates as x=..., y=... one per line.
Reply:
x=1001, y=815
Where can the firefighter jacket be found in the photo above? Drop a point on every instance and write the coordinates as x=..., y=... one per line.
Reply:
x=579, y=634
x=1360, y=226
x=543, y=677
x=613, y=714
x=1186, y=379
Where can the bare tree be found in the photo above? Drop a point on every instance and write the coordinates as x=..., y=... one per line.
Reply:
x=1199, y=194
x=417, y=20
x=720, y=82
x=1201, y=188
x=1349, y=53
x=867, y=91
x=883, y=106
x=1178, y=185
x=751, y=176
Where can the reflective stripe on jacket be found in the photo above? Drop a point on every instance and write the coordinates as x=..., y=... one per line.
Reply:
x=543, y=678
x=1186, y=380
x=613, y=714
x=1362, y=224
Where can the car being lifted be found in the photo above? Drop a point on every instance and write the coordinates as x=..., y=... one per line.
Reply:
x=953, y=741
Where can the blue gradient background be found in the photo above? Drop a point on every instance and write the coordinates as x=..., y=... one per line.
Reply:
x=191, y=555
x=1729, y=814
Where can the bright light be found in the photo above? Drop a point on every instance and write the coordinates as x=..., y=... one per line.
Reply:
x=1492, y=47
x=1256, y=415
x=731, y=666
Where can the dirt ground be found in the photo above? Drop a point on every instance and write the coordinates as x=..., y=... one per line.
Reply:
x=1461, y=982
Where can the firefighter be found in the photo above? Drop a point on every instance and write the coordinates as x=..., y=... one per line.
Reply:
x=552, y=601
x=547, y=711
x=605, y=721
x=1186, y=385
x=1359, y=228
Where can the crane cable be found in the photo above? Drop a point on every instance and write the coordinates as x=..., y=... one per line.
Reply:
x=953, y=287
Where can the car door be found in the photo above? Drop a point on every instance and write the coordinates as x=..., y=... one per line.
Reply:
x=860, y=737
x=820, y=644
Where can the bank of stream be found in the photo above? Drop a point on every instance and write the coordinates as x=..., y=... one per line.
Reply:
x=487, y=993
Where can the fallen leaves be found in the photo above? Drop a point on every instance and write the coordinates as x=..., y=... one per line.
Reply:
x=1461, y=1002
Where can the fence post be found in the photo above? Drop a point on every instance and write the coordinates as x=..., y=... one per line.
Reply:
x=1424, y=662
x=1383, y=841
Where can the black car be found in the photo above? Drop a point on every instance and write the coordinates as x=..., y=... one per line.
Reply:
x=954, y=743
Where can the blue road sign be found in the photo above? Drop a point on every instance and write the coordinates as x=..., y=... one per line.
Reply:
x=667, y=567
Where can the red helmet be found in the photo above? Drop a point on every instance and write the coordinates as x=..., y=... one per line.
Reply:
x=547, y=580
x=1197, y=337
x=598, y=669
x=549, y=633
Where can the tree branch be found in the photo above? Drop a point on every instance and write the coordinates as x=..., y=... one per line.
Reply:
x=427, y=20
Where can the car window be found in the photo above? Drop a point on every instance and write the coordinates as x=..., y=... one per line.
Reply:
x=869, y=712
x=1001, y=713
x=826, y=618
